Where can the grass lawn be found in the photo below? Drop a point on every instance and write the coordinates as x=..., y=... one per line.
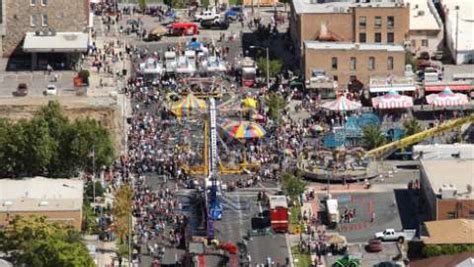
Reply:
x=304, y=260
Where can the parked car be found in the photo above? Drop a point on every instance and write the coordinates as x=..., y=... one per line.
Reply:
x=221, y=24
x=234, y=12
x=51, y=90
x=374, y=245
x=392, y=235
x=21, y=90
x=207, y=15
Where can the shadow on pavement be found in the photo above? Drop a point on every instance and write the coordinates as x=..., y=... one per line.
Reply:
x=408, y=208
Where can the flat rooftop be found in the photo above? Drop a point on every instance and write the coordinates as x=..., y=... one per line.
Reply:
x=338, y=6
x=456, y=172
x=444, y=151
x=466, y=22
x=352, y=46
x=455, y=231
x=40, y=194
x=423, y=16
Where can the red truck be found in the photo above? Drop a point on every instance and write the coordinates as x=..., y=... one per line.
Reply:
x=279, y=213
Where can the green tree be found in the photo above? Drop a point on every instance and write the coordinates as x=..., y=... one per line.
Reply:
x=276, y=103
x=275, y=66
x=34, y=241
x=142, y=4
x=99, y=190
x=412, y=126
x=372, y=137
x=293, y=186
x=89, y=137
x=50, y=145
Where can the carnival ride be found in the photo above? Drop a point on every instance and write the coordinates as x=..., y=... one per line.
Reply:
x=361, y=162
x=212, y=166
x=385, y=150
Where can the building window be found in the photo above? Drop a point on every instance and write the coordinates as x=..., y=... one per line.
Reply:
x=44, y=21
x=390, y=63
x=33, y=2
x=378, y=22
x=390, y=22
x=44, y=2
x=33, y=20
x=362, y=22
x=424, y=42
x=413, y=43
x=335, y=78
x=334, y=63
x=471, y=214
x=362, y=37
x=371, y=63
x=378, y=37
x=353, y=65
x=390, y=37
x=451, y=215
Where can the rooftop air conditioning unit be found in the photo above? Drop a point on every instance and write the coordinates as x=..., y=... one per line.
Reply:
x=421, y=12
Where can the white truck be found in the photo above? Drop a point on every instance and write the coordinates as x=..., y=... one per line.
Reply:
x=208, y=14
x=392, y=235
x=332, y=212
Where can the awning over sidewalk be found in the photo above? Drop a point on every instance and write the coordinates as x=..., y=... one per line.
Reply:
x=61, y=42
x=386, y=89
x=453, y=87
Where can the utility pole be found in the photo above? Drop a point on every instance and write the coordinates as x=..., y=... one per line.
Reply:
x=93, y=170
x=457, y=35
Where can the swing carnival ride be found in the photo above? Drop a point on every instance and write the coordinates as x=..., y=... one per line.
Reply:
x=316, y=169
x=211, y=165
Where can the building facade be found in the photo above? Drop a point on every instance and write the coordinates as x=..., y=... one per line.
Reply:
x=22, y=16
x=426, y=28
x=357, y=22
x=448, y=194
x=346, y=61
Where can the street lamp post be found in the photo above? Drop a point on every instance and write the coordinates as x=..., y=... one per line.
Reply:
x=268, y=61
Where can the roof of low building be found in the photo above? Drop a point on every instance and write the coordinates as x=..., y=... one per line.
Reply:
x=352, y=46
x=339, y=6
x=57, y=42
x=456, y=260
x=454, y=231
x=40, y=194
x=444, y=151
x=423, y=15
x=440, y=174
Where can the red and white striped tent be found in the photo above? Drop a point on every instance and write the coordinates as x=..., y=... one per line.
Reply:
x=392, y=100
x=447, y=99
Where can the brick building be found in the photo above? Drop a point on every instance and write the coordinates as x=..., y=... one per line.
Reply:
x=42, y=18
x=58, y=199
x=347, y=21
x=447, y=193
x=345, y=60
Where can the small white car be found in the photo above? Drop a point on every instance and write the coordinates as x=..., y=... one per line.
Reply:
x=51, y=90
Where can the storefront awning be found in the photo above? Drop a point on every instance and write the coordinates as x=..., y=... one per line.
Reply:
x=61, y=42
x=453, y=87
x=385, y=89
